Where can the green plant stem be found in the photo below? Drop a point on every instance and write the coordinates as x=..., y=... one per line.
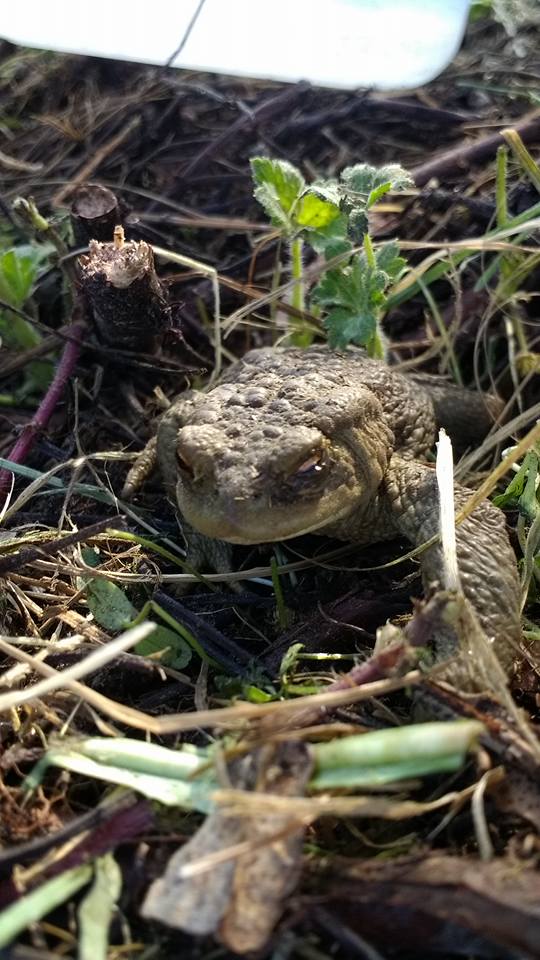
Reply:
x=300, y=337
x=30, y=215
x=383, y=756
x=35, y=905
x=457, y=257
x=369, y=252
x=500, y=187
x=443, y=332
x=97, y=909
x=376, y=345
x=526, y=161
x=298, y=273
x=188, y=780
x=509, y=263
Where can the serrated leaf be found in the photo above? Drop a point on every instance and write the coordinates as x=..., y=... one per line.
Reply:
x=362, y=178
x=287, y=180
x=335, y=246
x=358, y=223
x=389, y=260
x=315, y=212
x=278, y=187
x=266, y=196
x=345, y=326
x=329, y=190
x=335, y=287
x=364, y=185
x=176, y=651
x=355, y=296
x=333, y=239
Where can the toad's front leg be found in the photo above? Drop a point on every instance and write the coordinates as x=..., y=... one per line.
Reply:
x=486, y=561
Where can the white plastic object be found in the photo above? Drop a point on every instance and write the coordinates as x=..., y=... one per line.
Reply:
x=338, y=43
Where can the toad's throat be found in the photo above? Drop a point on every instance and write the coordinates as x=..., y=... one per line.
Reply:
x=252, y=522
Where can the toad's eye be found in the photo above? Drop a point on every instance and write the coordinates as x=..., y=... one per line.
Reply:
x=310, y=467
x=183, y=464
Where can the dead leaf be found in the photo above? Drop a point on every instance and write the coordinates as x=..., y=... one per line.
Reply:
x=232, y=877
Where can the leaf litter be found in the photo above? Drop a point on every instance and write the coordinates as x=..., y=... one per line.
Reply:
x=418, y=860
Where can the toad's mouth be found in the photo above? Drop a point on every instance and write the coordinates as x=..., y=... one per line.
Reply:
x=260, y=520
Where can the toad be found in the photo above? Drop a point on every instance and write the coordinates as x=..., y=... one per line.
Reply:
x=297, y=441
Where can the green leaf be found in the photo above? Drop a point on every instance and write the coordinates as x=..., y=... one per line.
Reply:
x=376, y=194
x=97, y=909
x=19, y=268
x=335, y=287
x=278, y=188
x=345, y=326
x=109, y=604
x=290, y=659
x=40, y=901
x=315, y=212
x=175, y=651
x=17, y=332
x=522, y=491
x=18, y=272
x=364, y=179
x=332, y=240
x=106, y=601
x=363, y=185
x=358, y=223
x=91, y=556
x=355, y=296
x=389, y=260
x=254, y=694
x=39, y=374
x=329, y=190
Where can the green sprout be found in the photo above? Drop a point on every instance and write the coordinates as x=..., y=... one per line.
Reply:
x=20, y=268
x=332, y=217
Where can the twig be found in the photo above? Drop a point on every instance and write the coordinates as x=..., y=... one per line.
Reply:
x=261, y=114
x=22, y=166
x=28, y=211
x=187, y=32
x=33, y=849
x=361, y=104
x=96, y=159
x=176, y=722
x=14, y=561
x=68, y=678
x=458, y=159
x=48, y=345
